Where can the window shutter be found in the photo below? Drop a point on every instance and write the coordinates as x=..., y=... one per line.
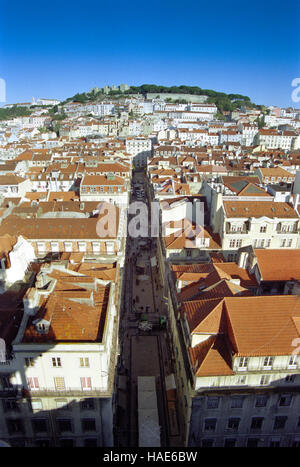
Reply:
x=59, y=383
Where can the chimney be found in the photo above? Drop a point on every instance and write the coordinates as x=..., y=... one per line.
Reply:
x=31, y=302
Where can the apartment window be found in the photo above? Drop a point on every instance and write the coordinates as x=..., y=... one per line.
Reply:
x=54, y=247
x=237, y=402
x=87, y=404
x=15, y=426
x=64, y=425
x=243, y=363
x=41, y=247
x=68, y=246
x=86, y=383
x=265, y=379
x=279, y=423
x=207, y=443
x=33, y=383
x=285, y=400
x=90, y=442
x=188, y=252
x=59, y=383
x=231, y=243
x=261, y=400
x=39, y=425
x=109, y=247
x=96, y=247
x=210, y=424
x=212, y=402
x=84, y=362
x=259, y=243
x=88, y=424
x=241, y=379
x=252, y=442
x=257, y=423
x=290, y=378
x=274, y=443
x=56, y=361
x=62, y=404
x=29, y=361
x=268, y=243
x=233, y=423
x=268, y=362
x=17, y=443
x=36, y=404
x=66, y=442
x=289, y=243
x=263, y=228
x=10, y=405
x=293, y=360
x=282, y=243
x=230, y=443
x=238, y=243
x=82, y=246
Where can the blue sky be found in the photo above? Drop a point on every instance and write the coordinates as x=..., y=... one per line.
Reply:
x=251, y=48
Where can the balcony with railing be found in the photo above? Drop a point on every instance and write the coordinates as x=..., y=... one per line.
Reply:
x=236, y=230
x=283, y=230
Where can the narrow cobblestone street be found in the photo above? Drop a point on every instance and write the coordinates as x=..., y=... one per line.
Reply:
x=143, y=353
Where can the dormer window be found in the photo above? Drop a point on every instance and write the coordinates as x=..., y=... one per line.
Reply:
x=263, y=228
x=268, y=362
x=42, y=326
x=293, y=361
x=243, y=363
